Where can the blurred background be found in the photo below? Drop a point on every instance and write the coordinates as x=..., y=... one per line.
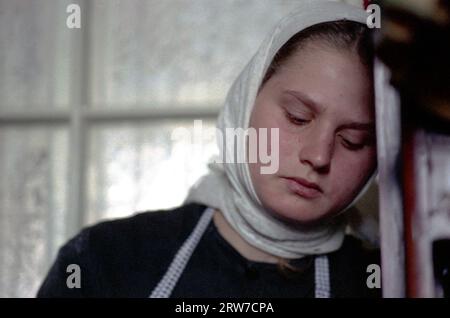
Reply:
x=87, y=115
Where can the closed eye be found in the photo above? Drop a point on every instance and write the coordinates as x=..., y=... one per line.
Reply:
x=296, y=120
x=352, y=146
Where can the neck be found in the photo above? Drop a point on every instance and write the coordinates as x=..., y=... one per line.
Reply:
x=247, y=250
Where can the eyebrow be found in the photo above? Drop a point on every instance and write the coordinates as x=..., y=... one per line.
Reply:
x=305, y=100
x=312, y=105
x=359, y=126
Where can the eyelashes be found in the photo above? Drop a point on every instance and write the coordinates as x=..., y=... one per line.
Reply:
x=296, y=120
x=350, y=145
x=302, y=122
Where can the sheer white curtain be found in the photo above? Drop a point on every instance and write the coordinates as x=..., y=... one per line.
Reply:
x=35, y=55
x=87, y=115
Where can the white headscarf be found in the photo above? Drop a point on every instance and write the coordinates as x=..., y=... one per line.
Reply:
x=228, y=186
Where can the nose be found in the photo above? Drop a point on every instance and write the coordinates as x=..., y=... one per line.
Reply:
x=316, y=150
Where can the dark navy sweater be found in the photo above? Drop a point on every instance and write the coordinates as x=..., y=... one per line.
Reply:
x=128, y=257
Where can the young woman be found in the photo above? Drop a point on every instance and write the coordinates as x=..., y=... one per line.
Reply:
x=242, y=233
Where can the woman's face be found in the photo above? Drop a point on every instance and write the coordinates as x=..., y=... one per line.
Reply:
x=322, y=102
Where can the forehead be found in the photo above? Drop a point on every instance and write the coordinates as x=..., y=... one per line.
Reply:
x=333, y=79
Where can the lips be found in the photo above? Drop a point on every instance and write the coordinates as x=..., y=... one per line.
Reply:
x=304, y=188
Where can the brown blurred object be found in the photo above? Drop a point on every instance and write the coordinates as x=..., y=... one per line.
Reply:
x=414, y=42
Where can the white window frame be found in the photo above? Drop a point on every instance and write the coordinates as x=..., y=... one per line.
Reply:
x=80, y=116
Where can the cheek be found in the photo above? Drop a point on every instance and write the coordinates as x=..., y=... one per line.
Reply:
x=267, y=115
x=351, y=170
x=289, y=145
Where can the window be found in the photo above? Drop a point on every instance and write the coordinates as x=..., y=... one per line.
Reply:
x=86, y=115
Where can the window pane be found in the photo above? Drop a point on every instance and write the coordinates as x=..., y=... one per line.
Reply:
x=33, y=206
x=177, y=52
x=137, y=167
x=36, y=54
